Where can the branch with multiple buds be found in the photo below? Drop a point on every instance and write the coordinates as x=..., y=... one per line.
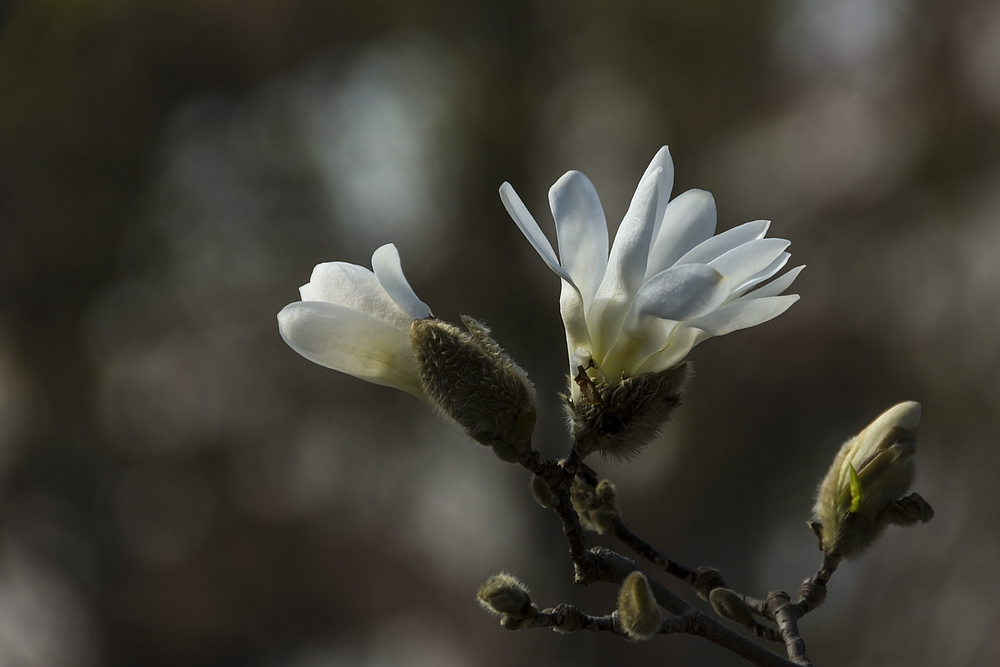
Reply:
x=876, y=465
x=631, y=315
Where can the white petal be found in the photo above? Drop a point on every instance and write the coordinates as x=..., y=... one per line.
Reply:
x=777, y=286
x=763, y=274
x=681, y=341
x=742, y=262
x=626, y=266
x=742, y=314
x=708, y=250
x=573, y=316
x=682, y=292
x=351, y=342
x=664, y=183
x=582, y=231
x=355, y=287
x=389, y=272
x=676, y=294
x=526, y=223
x=688, y=220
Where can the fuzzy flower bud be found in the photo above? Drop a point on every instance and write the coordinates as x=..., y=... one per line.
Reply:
x=470, y=379
x=638, y=613
x=620, y=419
x=541, y=491
x=504, y=595
x=862, y=494
x=728, y=604
x=597, y=506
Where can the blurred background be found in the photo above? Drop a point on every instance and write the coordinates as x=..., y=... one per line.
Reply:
x=177, y=486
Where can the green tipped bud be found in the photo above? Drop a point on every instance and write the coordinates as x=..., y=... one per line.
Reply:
x=470, y=379
x=862, y=492
x=597, y=506
x=504, y=595
x=620, y=419
x=541, y=491
x=729, y=604
x=638, y=613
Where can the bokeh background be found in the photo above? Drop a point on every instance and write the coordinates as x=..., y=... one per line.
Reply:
x=177, y=487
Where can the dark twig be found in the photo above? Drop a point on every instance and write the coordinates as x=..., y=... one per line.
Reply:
x=813, y=590
x=786, y=615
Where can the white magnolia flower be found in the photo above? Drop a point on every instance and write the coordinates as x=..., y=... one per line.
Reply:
x=358, y=322
x=669, y=282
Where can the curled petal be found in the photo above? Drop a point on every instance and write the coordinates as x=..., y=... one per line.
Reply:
x=688, y=220
x=389, y=272
x=682, y=292
x=777, y=286
x=526, y=223
x=354, y=287
x=707, y=250
x=742, y=262
x=762, y=275
x=351, y=342
x=742, y=314
x=664, y=183
x=582, y=231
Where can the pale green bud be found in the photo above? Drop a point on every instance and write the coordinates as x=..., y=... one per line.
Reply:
x=597, y=506
x=619, y=419
x=862, y=492
x=638, y=613
x=729, y=604
x=470, y=379
x=504, y=595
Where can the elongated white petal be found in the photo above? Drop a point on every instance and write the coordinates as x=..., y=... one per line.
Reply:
x=389, y=272
x=626, y=266
x=526, y=223
x=706, y=251
x=351, y=342
x=688, y=220
x=776, y=286
x=682, y=293
x=354, y=287
x=742, y=314
x=582, y=231
x=762, y=275
x=664, y=183
x=742, y=262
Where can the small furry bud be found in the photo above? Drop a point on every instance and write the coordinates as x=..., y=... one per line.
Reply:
x=728, y=604
x=638, y=613
x=541, y=491
x=504, y=595
x=597, y=506
x=862, y=492
x=470, y=379
x=619, y=419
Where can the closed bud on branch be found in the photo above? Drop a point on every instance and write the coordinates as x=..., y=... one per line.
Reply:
x=597, y=506
x=638, y=613
x=619, y=419
x=469, y=378
x=504, y=595
x=541, y=491
x=729, y=604
x=862, y=493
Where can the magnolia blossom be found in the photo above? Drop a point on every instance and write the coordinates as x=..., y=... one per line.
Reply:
x=668, y=282
x=358, y=322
